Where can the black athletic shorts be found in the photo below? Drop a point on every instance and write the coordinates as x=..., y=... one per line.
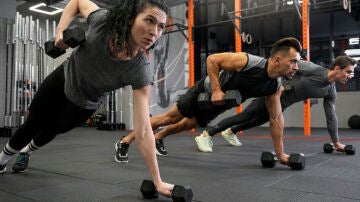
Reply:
x=188, y=106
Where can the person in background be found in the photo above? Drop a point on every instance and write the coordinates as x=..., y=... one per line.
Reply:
x=251, y=75
x=310, y=81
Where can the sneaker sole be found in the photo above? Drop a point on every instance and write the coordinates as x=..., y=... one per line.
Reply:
x=21, y=171
x=197, y=143
x=160, y=154
x=237, y=145
x=126, y=161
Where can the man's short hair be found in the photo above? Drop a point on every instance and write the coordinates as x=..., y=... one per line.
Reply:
x=284, y=45
x=342, y=62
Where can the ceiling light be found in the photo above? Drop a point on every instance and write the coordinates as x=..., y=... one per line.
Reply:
x=353, y=41
x=352, y=52
x=48, y=10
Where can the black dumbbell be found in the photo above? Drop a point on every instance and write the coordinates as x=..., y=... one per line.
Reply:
x=296, y=160
x=72, y=36
x=178, y=194
x=232, y=99
x=329, y=148
x=148, y=189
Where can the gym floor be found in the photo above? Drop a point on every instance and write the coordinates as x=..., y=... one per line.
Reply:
x=80, y=166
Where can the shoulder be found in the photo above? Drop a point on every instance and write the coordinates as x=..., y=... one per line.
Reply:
x=255, y=61
x=307, y=67
x=97, y=16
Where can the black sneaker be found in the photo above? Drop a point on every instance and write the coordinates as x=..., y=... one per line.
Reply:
x=160, y=148
x=122, y=149
x=2, y=169
x=21, y=163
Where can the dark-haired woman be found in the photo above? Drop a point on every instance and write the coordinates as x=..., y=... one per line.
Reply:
x=112, y=56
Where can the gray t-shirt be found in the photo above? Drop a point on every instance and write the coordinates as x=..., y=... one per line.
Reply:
x=91, y=71
x=311, y=81
x=252, y=81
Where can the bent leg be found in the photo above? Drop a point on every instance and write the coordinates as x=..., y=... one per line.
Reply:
x=184, y=124
x=256, y=121
x=253, y=114
x=170, y=117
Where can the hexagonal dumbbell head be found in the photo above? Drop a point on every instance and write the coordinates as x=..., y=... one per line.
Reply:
x=328, y=147
x=350, y=150
x=181, y=194
x=148, y=189
x=73, y=36
x=268, y=159
x=297, y=161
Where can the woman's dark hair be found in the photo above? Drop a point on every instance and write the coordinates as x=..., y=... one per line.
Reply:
x=342, y=62
x=118, y=23
x=284, y=45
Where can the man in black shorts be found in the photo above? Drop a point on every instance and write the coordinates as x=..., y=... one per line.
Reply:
x=251, y=75
x=310, y=81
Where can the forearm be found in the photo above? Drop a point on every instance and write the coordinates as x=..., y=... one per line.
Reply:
x=146, y=144
x=144, y=136
x=333, y=131
x=276, y=120
x=70, y=11
x=332, y=125
x=276, y=132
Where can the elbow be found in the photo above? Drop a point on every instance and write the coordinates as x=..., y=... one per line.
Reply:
x=210, y=60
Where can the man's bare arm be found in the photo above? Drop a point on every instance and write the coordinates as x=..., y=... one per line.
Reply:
x=222, y=61
x=277, y=124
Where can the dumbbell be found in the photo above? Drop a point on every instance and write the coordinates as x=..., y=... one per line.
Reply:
x=296, y=160
x=329, y=148
x=72, y=36
x=178, y=194
x=232, y=99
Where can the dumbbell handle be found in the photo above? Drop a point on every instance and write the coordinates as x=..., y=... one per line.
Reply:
x=54, y=52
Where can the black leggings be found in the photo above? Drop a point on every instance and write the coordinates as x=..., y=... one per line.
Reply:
x=51, y=113
x=255, y=114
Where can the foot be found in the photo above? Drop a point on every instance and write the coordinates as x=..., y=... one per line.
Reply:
x=21, y=163
x=2, y=169
x=160, y=148
x=204, y=144
x=122, y=149
x=231, y=138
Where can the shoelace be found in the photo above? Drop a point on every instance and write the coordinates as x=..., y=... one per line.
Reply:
x=207, y=141
x=123, y=149
x=160, y=142
x=162, y=146
x=21, y=160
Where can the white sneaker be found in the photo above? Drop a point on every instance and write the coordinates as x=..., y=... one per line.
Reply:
x=204, y=143
x=231, y=138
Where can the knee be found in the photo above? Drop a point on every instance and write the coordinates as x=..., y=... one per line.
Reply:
x=188, y=125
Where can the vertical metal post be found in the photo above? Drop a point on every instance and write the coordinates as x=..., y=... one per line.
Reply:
x=191, y=42
x=238, y=42
x=7, y=68
x=191, y=45
x=306, y=47
x=46, y=66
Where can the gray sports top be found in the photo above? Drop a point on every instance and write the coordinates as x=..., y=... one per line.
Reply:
x=91, y=71
x=311, y=81
x=251, y=81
